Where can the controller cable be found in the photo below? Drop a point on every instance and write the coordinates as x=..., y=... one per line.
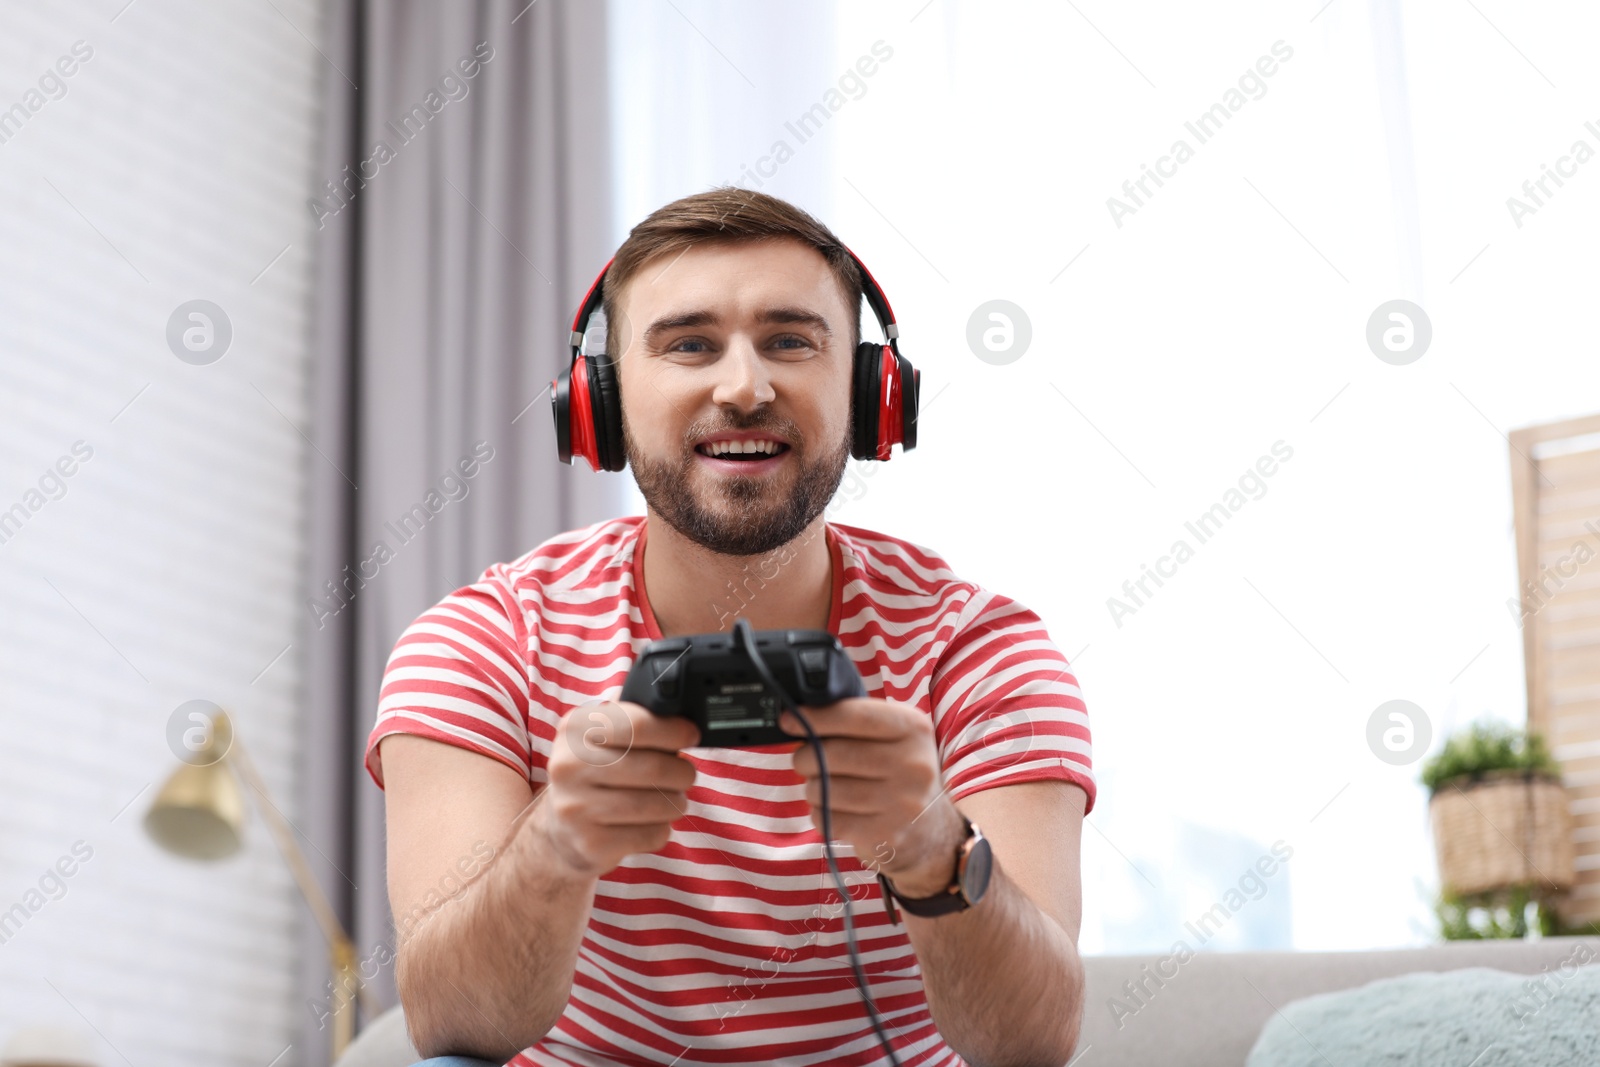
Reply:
x=745, y=638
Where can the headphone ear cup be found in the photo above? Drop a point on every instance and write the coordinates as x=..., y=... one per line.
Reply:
x=561, y=408
x=605, y=400
x=866, y=392
x=910, y=397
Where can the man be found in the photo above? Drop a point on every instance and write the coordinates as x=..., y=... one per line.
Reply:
x=645, y=900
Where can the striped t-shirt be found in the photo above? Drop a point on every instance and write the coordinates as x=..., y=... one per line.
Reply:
x=728, y=946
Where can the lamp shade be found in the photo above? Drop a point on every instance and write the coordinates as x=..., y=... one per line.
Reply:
x=199, y=813
x=47, y=1046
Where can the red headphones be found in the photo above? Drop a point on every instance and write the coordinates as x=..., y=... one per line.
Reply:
x=587, y=402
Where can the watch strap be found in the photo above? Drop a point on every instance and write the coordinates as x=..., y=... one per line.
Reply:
x=948, y=900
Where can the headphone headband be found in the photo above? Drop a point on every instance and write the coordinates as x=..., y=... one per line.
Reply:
x=876, y=300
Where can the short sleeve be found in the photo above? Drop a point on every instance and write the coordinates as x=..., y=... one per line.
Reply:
x=1006, y=706
x=458, y=675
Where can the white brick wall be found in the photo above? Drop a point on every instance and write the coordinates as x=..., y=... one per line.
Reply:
x=175, y=167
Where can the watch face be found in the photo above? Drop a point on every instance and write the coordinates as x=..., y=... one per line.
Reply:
x=975, y=878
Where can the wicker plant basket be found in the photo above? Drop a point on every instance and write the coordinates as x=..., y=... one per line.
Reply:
x=1508, y=828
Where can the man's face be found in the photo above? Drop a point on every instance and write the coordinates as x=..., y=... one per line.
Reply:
x=734, y=364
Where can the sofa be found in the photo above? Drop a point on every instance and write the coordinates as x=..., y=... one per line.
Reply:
x=1204, y=1011
x=1209, y=1013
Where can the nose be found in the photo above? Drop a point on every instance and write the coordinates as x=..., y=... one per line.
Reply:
x=743, y=378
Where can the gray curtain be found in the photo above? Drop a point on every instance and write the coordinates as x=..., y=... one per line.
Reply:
x=450, y=259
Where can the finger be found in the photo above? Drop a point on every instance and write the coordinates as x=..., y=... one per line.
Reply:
x=846, y=756
x=636, y=807
x=600, y=733
x=846, y=825
x=647, y=839
x=666, y=733
x=847, y=796
x=646, y=769
x=603, y=847
x=862, y=717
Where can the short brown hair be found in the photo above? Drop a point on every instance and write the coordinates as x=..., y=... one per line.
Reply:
x=728, y=214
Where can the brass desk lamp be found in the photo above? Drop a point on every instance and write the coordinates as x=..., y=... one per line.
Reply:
x=199, y=814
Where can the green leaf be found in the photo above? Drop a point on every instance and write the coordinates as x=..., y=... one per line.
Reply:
x=1483, y=747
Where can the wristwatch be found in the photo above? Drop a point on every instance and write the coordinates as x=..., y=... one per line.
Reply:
x=974, y=864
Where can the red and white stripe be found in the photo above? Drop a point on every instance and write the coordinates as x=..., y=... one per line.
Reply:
x=728, y=945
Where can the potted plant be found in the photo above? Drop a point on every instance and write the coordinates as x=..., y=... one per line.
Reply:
x=1501, y=831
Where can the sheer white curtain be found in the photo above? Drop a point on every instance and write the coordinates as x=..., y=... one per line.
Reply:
x=1170, y=354
x=1206, y=330
x=702, y=90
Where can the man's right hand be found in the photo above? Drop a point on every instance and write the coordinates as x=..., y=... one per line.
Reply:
x=493, y=978
x=617, y=782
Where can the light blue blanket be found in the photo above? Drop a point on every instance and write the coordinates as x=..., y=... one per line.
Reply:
x=1475, y=1017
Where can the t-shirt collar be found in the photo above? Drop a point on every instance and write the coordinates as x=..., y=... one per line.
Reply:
x=653, y=630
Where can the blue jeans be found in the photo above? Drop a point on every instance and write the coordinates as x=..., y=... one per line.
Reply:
x=454, y=1061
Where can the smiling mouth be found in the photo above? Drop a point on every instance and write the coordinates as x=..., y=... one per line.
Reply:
x=742, y=451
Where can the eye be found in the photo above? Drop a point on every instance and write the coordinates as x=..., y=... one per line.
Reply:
x=799, y=342
x=678, y=346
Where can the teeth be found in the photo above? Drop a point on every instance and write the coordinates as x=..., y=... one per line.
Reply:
x=719, y=448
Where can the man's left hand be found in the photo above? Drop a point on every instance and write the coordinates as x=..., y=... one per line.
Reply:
x=888, y=802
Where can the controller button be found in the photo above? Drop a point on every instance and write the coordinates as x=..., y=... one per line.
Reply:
x=666, y=681
x=814, y=664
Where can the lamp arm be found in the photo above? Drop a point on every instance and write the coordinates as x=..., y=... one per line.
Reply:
x=283, y=834
x=339, y=942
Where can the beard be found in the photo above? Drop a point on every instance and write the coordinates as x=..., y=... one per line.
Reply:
x=747, y=516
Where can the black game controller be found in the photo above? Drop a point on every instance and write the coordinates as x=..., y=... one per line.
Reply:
x=709, y=680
